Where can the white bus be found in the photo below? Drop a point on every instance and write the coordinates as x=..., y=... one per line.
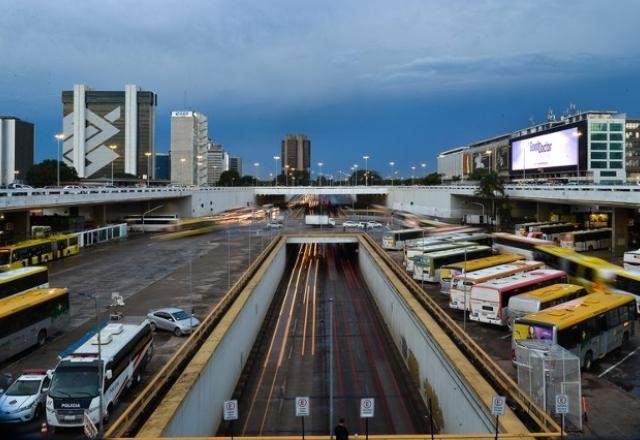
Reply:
x=426, y=267
x=631, y=260
x=82, y=374
x=490, y=300
x=552, y=232
x=543, y=298
x=461, y=285
x=152, y=223
x=23, y=279
x=509, y=243
x=523, y=229
x=411, y=253
x=29, y=318
x=588, y=240
x=395, y=240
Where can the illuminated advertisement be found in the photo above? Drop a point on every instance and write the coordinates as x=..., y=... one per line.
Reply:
x=558, y=149
x=532, y=331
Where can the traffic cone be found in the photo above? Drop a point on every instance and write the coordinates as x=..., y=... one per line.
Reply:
x=44, y=430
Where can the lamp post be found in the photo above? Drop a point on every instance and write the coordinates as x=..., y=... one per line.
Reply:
x=148, y=154
x=424, y=169
x=489, y=152
x=59, y=137
x=413, y=170
x=366, y=170
x=286, y=175
x=113, y=148
x=182, y=161
x=320, y=172
x=276, y=158
x=255, y=176
x=391, y=164
x=355, y=174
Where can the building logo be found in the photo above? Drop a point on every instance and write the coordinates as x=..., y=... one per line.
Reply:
x=97, y=131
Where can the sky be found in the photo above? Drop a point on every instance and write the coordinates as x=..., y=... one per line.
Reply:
x=397, y=81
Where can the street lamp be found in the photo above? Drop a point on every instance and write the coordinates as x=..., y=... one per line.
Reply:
x=59, y=137
x=255, y=176
x=424, y=169
x=489, y=152
x=413, y=170
x=355, y=174
x=113, y=148
x=286, y=175
x=182, y=161
x=148, y=154
x=320, y=172
x=366, y=170
x=391, y=164
x=276, y=158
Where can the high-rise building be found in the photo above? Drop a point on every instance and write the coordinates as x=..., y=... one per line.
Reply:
x=101, y=127
x=235, y=164
x=189, y=140
x=163, y=166
x=632, y=148
x=215, y=162
x=296, y=153
x=16, y=149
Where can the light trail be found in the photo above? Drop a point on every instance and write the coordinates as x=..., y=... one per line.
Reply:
x=315, y=311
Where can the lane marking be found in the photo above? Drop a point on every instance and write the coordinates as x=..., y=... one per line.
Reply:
x=618, y=363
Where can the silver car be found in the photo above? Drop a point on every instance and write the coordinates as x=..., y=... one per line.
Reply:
x=24, y=400
x=174, y=320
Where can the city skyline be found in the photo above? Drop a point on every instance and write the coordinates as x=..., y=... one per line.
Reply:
x=455, y=73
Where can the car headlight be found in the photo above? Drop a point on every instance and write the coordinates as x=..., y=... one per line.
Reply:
x=49, y=403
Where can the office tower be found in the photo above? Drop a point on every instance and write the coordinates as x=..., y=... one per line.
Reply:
x=16, y=149
x=163, y=166
x=235, y=164
x=189, y=140
x=215, y=162
x=101, y=127
x=296, y=153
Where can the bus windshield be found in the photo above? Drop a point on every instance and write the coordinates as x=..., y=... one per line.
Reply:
x=71, y=381
x=4, y=256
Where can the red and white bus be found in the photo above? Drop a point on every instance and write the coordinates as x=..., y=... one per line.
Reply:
x=490, y=300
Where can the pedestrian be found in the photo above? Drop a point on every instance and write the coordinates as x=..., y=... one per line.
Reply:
x=341, y=431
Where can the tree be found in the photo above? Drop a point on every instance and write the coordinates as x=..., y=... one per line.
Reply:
x=491, y=188
x=46, y=173
x=432, y=179
x=229, y=178
x=247, y=180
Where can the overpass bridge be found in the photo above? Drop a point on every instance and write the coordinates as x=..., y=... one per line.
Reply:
x=446, y=366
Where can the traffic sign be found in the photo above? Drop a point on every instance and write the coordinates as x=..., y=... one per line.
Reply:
x=562, y=404
x=90, y=429
x=230, y=411
x=302, y=406
x=367, y=407
x=497, y=405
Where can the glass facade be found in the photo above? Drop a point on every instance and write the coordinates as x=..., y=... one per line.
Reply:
x=598, y=136
x=598, y=126
x=598, y=155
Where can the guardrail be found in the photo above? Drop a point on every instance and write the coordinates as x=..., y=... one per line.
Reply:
x=148, y=399
x=518, y=400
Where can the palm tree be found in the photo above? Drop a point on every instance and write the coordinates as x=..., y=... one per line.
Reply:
x=491, y=188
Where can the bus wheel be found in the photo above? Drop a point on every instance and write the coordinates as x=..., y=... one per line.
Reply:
x=588, y=360
x=42, y=337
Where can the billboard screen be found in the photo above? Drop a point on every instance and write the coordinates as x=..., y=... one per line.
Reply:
x=556, y=149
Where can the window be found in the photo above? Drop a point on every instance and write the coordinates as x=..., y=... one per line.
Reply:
x=598, y=155
x=615, y=136
x=608, y=174
x=598, y=165
x=613, y=146
x=615, y=165
x=614, y=126
x=598, y=126
x=598, y=146
x=612, y=155
x=598, y=136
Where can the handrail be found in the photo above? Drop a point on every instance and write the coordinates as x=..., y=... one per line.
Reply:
x=485, y=364
x=149, y=398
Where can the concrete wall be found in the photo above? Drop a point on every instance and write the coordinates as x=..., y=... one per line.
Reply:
x=217, y=200
x=461, y=411
x=200, y=412
x=433, y=201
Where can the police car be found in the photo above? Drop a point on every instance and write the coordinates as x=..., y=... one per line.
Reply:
x=24, y=400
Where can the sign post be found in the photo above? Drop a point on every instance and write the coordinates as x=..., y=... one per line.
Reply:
x=302, y=410
x=497, y=409
x=367, y=409
x=230, y=413
x=562, y=408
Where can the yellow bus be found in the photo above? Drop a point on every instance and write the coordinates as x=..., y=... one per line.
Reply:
x=589, y=327
x=29, y=318
x=38, y=251
x=450, y=271
x=624, y=281
x=590, y=272
x=22, y=280
x=539, y=299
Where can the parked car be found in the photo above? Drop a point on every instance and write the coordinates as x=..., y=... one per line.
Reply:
x=24, y=400
x=174, y=320
x=352, y=224
x=373, y=224
x=16, y=186
x=73, y=189
x=273, y=225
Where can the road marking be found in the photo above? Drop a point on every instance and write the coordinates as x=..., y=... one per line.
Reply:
x=618, y=363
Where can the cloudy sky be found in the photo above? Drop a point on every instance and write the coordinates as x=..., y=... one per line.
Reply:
x=395, y=80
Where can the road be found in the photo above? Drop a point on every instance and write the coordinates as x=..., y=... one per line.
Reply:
x=294, y=362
